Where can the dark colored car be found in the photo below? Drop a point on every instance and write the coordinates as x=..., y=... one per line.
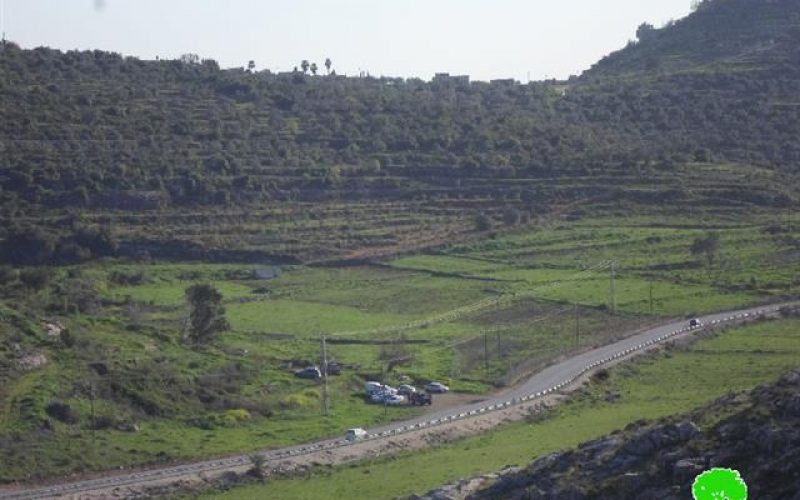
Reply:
x=420, y=398
x=311, y=372
x=334, y=368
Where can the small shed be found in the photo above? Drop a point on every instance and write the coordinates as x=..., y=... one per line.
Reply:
x=267, y=273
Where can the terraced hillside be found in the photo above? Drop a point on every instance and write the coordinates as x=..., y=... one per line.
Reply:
x=182, y=158
x=468, y=233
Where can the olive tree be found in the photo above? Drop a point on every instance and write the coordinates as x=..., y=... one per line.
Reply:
x=206, y=313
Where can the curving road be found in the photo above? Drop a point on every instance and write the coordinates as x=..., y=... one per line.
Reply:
x=542, y=383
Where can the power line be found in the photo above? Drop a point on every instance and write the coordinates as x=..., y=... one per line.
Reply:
x=458, y=312
x=473, y=338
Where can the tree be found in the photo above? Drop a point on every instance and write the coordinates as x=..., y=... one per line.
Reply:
x=328, y=64
x=35, y=278
x=706, y=247
x=511, y=216
x=644, y=31
x=304, y=65
x=206, y=313
x=251, y=66
x=190, y=59
x=314, y=69
x=258, y=463
x=483, y=222
x=28, y=245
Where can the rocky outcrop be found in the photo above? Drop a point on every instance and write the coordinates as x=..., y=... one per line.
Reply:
x=760, y=437
x=465, y=487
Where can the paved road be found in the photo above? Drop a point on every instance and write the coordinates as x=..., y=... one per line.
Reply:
x=544, y=382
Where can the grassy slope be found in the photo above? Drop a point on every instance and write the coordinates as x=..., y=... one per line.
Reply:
x=650, y=388
x=139, y=338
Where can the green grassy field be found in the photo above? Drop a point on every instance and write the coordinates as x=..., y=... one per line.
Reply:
x=475, y=316
x=652, y=387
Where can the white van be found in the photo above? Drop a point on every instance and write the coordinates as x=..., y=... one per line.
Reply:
x=355, y=434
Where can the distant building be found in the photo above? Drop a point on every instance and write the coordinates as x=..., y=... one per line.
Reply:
x=452, y=80
x=267, y=273
x=503, y=81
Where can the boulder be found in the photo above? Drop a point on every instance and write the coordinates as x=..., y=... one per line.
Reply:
x=128, y=427
x=687, y=469
x=31, y=362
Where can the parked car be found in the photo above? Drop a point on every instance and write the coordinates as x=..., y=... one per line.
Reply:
x=694, y=323
x=436, y=387
x=334, y=368
x=379, y=397
x=311, y=372
x=406, y=389
x=373, y=387
x=394, y=399
x=355, y=434
x=420, y=398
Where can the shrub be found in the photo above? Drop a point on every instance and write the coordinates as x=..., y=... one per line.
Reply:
x=8, y=275
x=127, y=279
x=511, y=216
x=62, y=412
x=483, y=222
x=229, y=418
x=35, y=278
x=29, y=245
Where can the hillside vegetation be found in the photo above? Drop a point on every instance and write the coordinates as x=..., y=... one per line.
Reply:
x=183, y=158
x=757, y=436
x=461, y=232
x=699, y=383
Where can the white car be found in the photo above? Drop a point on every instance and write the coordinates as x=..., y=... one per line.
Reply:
x=376, y=387
x=394, y=400
x=378, y=397
x=406, y=389
x=436, y=387
x=355, y=434
x=372, y=387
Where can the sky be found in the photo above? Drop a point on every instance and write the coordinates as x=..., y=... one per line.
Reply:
x=486, y=39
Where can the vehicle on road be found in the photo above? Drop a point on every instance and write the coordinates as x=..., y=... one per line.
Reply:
x=406, y=389
x=310, y=372
x=420, y=399
x=355, y=434
x=436, y=387
x=694, y=323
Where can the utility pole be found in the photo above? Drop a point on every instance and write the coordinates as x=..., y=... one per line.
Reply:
x=325, y=399
x=94, y=423
x=485, y=353
x=613, y=289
